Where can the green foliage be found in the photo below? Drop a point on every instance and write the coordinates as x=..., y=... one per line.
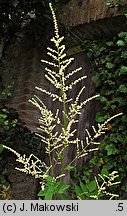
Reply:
x=98, y=188
x=4, y=191
x=14, y=134
x=1, y=148
x=7, y=92
x=29, y=15
x=58, y=130
x=109, y=59
x=116, y=3
x=53, y=189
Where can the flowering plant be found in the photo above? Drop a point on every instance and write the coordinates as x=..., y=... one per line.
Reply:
x=53, y=173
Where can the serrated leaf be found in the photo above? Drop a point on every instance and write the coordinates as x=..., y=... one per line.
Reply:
x=83, y=187
x=79, y=193
x=62, y=188
x=92, y=186
x=78, y=190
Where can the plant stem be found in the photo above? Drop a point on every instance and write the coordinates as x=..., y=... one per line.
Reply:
x=64, y=107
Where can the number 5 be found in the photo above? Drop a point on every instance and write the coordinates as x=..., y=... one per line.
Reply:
x=120, y=207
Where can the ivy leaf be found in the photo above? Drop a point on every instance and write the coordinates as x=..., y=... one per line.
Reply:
x=111, y=150
x=122, y=34
x=120, y=43
x=3, y=116
x=109, y=65
x=112, y=138
x=123, y=70
x=100, y=118
x=95, y=79
x=1, y=148
x=103, y=99
x=124, y=118
x=124, y=55
x=110, y=43
x=122, y=88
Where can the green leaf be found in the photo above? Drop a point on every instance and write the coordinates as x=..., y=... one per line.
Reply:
x=123, y=70
x=92, y=186
x=49, y=179
x=96, y=79
x=69, y=167
x=113, y=138
x=41, y=193
x=48, y=196
x=124, y=118
x=110, y=43
x=125, y=39
x=122, y=88
x=100, y=118
x=49, y=191
x=104, y=171
x=103, y=99
x=1, y=148
x=120, y=43
x=111, y=150
x=109, y=65
x=62, y=188
x=83, y=187
x=124, y=55
x=65, y=197
x=3, y=116
x=78, y=190
x=122, y=34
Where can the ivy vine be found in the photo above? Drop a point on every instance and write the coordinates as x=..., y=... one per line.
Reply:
x=109, y=60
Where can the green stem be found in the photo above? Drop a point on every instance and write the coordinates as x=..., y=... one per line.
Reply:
x=50, y=160
x=64, y=108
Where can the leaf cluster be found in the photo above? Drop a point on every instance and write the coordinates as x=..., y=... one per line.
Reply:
x=109, y=60
x=116, y=3
x=19, y=15
x=14, y=134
